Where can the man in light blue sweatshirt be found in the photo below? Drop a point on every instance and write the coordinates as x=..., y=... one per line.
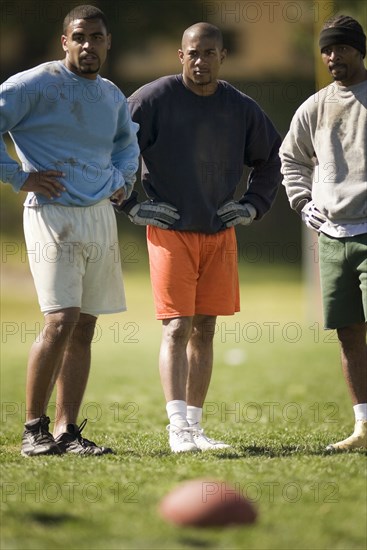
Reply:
x=78, y=153
x=324, y=163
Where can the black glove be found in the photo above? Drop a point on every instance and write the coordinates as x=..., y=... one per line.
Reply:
x=149, y=212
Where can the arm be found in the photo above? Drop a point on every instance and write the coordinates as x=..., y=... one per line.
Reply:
x=125, y=154
x=298, y=160
x=10, y=171
x=149, y=212
x=15, y=106
x=262, y=155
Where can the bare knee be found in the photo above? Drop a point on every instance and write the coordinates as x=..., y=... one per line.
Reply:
x=203, y=329
x=352, y=335
x=83, y=332
x=177, y=330
x=59, y=326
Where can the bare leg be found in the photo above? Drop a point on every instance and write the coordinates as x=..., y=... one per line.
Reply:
x=173, y=364
x=354, y=360
x=45, y=359
x=186, y=362
x=74, y=372
x=200, y=359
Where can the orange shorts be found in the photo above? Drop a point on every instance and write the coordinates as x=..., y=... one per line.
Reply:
x=193, y=273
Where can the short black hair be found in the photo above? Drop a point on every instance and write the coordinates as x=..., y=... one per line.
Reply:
x=343, y=21
x=85, y=11
x=206, y=30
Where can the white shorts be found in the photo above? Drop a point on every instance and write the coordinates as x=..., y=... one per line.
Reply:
x=74, y=257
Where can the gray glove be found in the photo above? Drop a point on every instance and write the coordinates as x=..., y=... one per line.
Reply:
x=234, y=213
x=160, y=214
x=312, y=216
x=149, y=212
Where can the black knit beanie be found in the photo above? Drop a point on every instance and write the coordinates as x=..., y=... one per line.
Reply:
x=343, y=35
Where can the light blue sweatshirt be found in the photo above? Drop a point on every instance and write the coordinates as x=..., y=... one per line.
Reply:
x=60, y=121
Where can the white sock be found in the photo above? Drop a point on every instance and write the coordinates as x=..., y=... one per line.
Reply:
x=177, y=411
x=194, y=415
x=360, y=411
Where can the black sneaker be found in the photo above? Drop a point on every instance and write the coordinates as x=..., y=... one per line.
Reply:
x=72, y=442
x=37, y=440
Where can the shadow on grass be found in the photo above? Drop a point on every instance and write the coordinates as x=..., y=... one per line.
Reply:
x=262, y=450
x=289, y=450
x=168, y=454
x=50, y=520
x=195, y=542
x=240, y=452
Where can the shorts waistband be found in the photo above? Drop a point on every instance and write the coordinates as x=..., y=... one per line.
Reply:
x=103, y=202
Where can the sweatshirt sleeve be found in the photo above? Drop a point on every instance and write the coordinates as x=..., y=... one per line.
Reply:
x=298, y=160
x=262, y=155
x=147, y=130
x=125, y=154
x=14, y=107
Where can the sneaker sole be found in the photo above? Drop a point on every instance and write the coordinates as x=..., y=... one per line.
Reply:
x=215, y=448
x=333, y=449
x=195, y=450
x=52, y=453
x=67, y=451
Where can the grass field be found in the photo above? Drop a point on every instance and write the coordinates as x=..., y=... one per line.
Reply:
x=277, y=396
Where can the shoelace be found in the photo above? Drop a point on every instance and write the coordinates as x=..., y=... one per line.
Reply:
x=78, y=434
x=86, y=443
x=43, y=431
x=197, y=432
x=44, y=422
x=181, y=432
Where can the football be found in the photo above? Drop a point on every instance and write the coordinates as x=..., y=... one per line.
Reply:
x=207, y=503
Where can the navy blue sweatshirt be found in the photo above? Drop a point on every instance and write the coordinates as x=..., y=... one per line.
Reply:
x=194, y=149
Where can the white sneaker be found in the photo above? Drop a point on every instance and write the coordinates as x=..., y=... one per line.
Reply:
x=357, y=440
x=203, y=442
x=180, y=439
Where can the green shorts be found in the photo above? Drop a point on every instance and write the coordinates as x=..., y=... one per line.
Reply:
x=343, y=274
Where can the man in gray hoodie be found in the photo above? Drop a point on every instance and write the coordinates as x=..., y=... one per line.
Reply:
x=324, y=164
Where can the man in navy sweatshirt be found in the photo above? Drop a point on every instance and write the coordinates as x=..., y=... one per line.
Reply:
x=196, y=135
